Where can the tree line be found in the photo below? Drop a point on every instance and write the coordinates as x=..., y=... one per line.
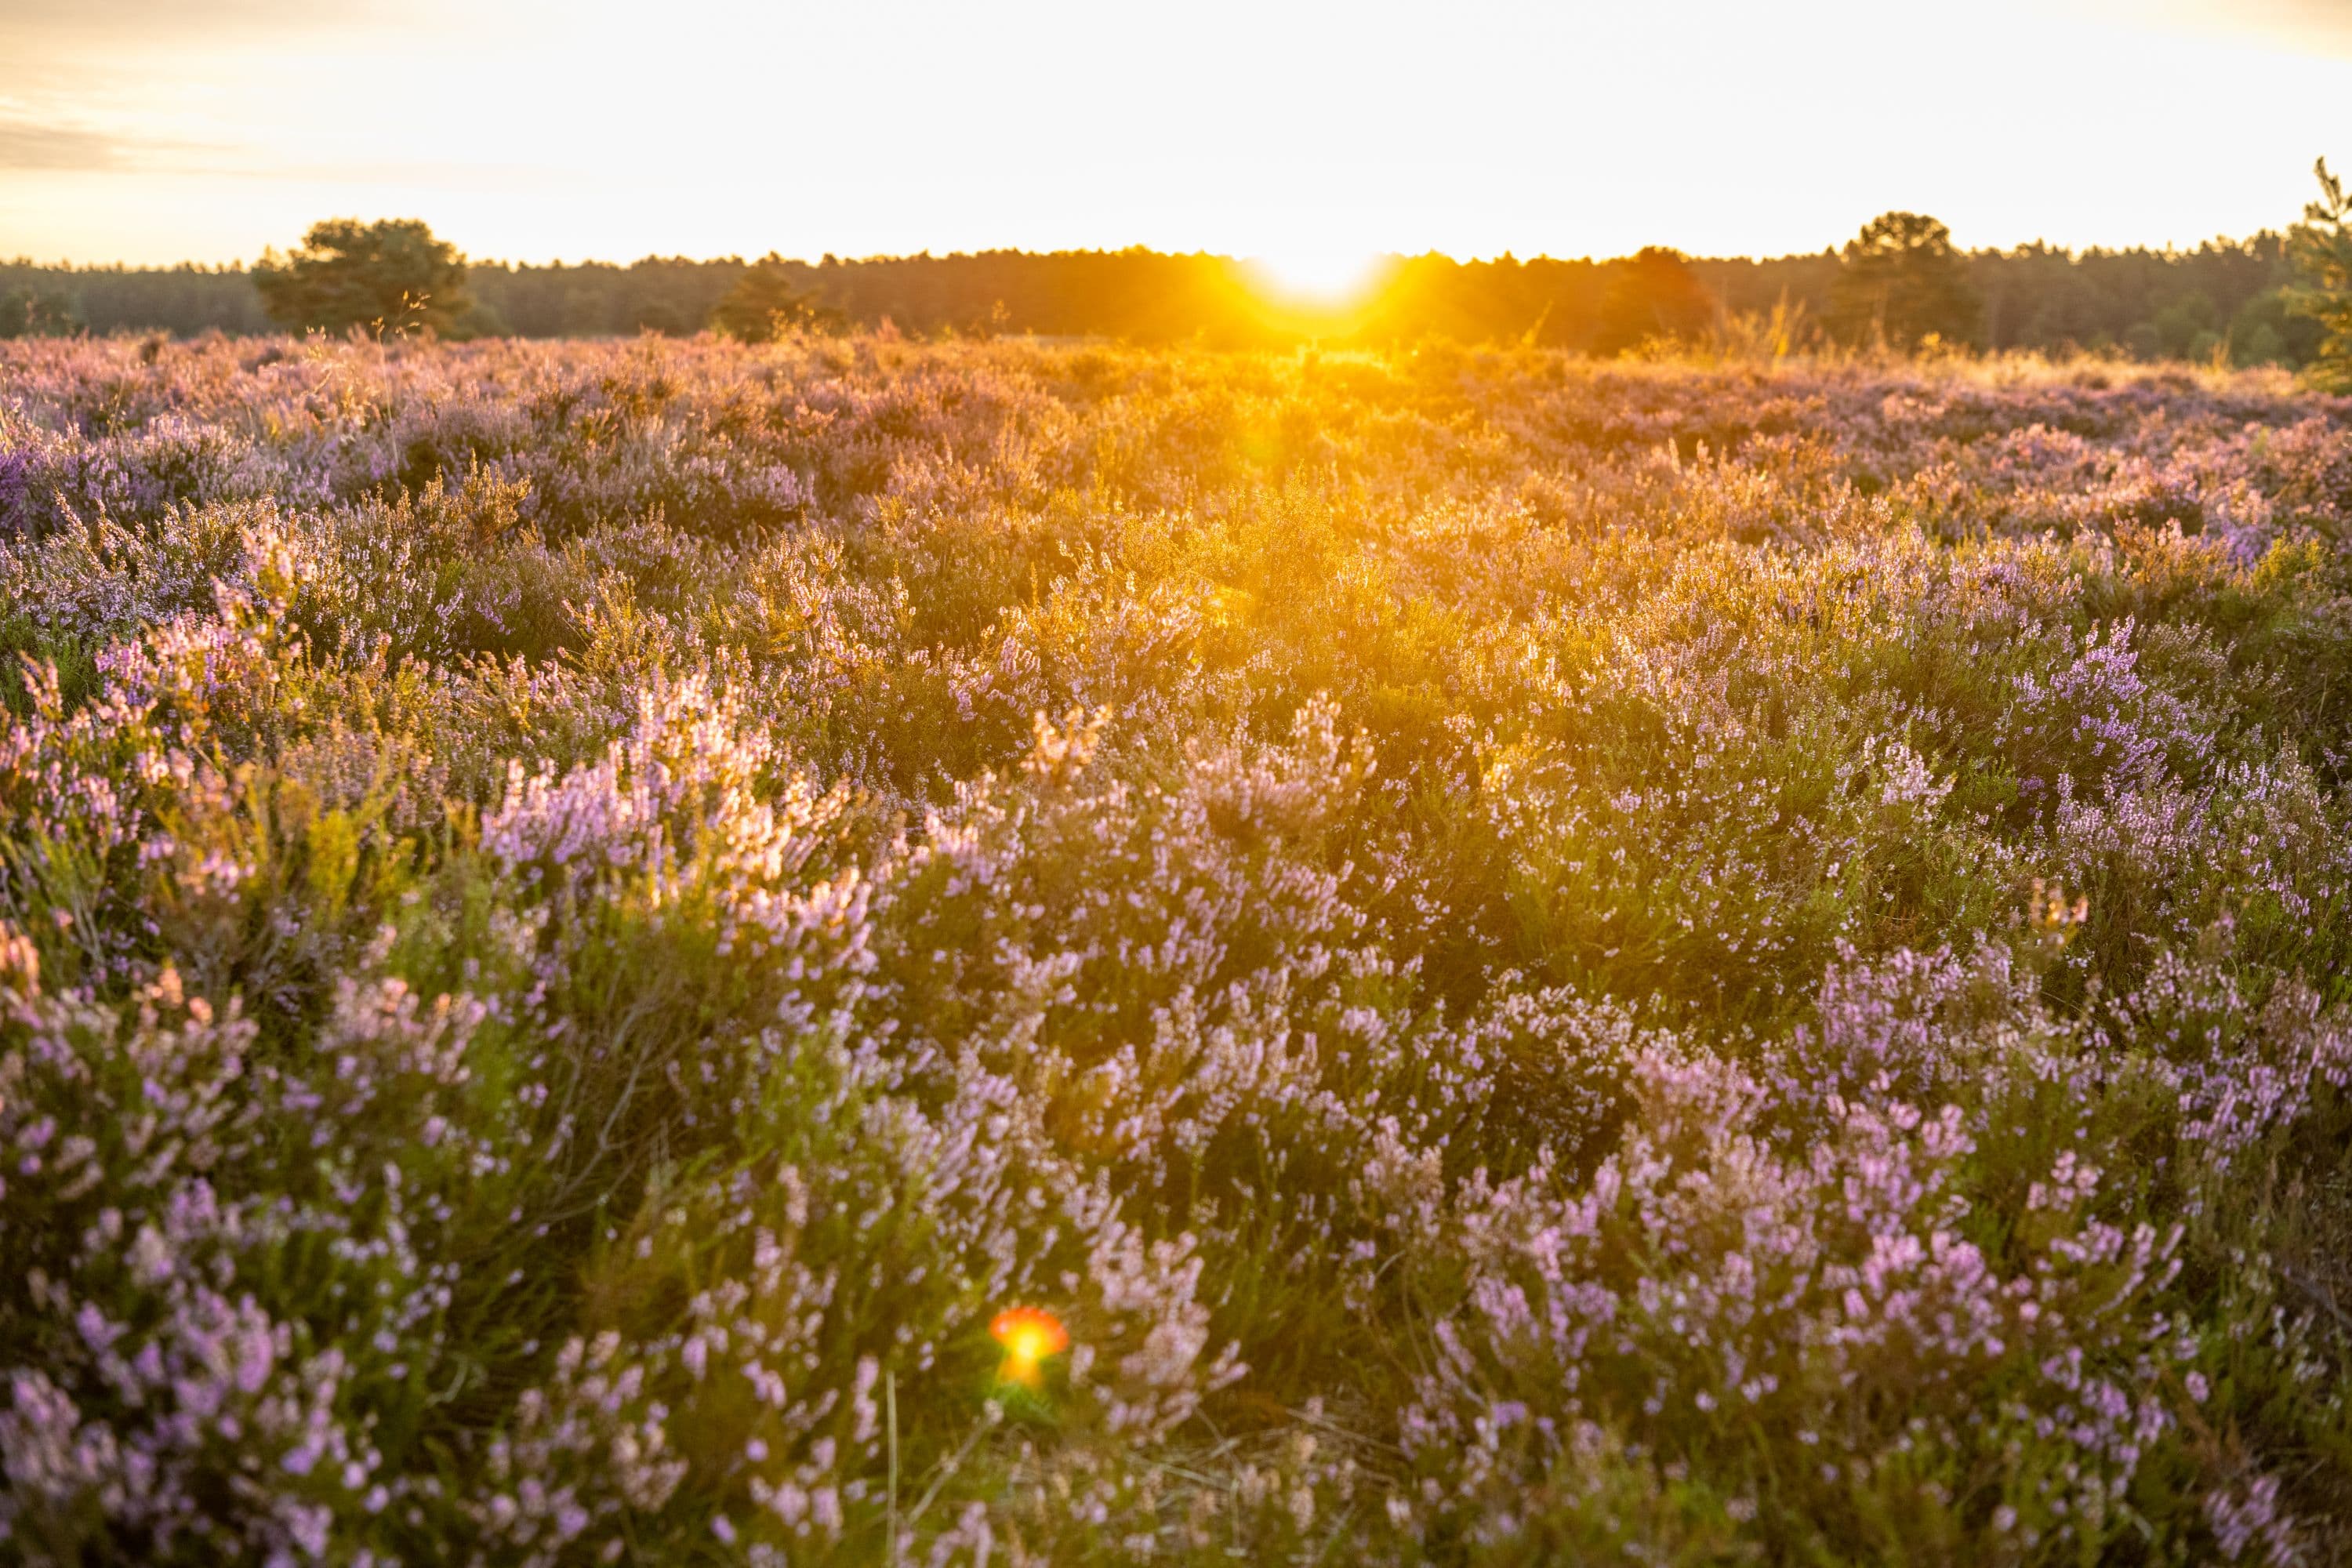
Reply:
x=1900, y=281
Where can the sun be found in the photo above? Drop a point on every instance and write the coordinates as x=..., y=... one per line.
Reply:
x=1324, y=276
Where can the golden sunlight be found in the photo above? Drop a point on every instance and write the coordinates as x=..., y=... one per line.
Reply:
x=1323, y=277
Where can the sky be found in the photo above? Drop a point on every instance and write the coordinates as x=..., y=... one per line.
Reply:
x=157, y=131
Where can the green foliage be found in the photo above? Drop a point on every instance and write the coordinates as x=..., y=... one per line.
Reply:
x=37, y=314
x=2266, y=330
x=763, y=305
x=2321, y=247
x=390, y=277
x=1902, y=283
x=2186, y=329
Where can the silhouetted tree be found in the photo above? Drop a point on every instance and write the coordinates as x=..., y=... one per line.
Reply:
x=2321, y=248
x=391, y=276
x=2036, y=297
x=763, y=305
x=1654, y=294
x=1901, y=282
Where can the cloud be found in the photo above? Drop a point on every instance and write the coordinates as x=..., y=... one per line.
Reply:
x=80, y=45
x=38, y=144
x=131, y=20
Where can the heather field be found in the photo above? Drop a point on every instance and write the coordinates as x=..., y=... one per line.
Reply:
x=853, y=951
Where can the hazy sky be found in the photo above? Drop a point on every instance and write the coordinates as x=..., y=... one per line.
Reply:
x=155, y=130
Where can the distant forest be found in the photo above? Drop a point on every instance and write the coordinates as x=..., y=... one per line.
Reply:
x=2223, y=297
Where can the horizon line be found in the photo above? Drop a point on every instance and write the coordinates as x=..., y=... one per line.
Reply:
x=2166, y=247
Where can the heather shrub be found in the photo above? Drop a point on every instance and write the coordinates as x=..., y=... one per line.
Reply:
x=838, y=950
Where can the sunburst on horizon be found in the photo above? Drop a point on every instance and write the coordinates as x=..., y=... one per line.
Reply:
x=1317, y=276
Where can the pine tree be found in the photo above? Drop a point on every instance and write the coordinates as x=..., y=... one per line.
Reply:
x=2321, y=248
x=383, y=277
x=1902, y=283
x=763, y=305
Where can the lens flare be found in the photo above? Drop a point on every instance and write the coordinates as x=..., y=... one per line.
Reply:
x=1029, y=1334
